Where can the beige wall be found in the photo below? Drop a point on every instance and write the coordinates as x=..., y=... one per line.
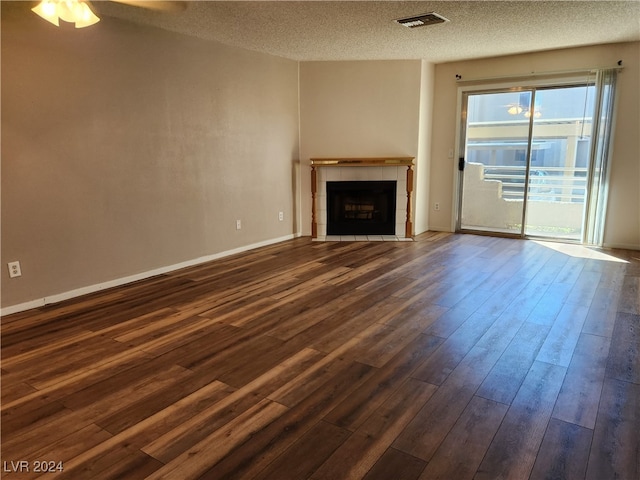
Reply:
x=127, y=149
x=356, y=109
x=421, y=223
x=623, y=215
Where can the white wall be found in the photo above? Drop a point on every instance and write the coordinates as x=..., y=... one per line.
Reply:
x=128, y=149
x=623, y=216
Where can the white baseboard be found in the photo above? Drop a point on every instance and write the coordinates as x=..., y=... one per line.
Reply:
x=436, y=228
x=622, y=246
x=59, y=297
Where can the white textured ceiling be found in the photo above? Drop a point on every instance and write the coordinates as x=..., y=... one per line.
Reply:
x=365, y=30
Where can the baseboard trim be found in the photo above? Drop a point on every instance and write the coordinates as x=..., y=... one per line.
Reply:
x=622, y=246
x=439, y=229
x=78, y=292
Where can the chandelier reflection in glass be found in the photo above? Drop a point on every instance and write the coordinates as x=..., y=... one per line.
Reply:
x=522, y=107
x=73, y=11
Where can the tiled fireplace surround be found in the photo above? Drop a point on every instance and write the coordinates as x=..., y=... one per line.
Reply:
x=325, y=170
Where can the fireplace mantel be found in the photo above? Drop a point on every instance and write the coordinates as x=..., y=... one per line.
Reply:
x=361, y=162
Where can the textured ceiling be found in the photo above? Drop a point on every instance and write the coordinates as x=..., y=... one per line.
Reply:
x=365, y=30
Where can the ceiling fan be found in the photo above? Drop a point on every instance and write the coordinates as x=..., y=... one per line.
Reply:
x=80, y=13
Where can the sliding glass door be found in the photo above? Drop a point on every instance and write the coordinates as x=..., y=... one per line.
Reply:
x=495, y=173
x=527, y=161
x=557, y=188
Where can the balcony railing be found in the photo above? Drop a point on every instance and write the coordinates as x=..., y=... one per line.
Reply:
x=550, y=184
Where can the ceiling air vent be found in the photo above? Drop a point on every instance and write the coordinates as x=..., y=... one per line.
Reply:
x=422, y=20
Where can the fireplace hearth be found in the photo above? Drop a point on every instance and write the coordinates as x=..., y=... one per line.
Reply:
x=361, y=208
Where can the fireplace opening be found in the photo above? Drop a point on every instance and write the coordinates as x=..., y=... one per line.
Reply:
x=361, y=208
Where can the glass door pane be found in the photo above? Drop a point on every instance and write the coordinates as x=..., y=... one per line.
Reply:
x=496, y=148
x=560, y=147
x=602, y=128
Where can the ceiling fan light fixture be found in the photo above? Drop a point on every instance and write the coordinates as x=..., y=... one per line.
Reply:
x=47, y=9
x=85, y=16
x=73, y=11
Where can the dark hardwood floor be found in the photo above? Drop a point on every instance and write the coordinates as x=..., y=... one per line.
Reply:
x=452, y=357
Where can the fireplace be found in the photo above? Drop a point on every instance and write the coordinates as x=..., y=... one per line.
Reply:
x=361, y=208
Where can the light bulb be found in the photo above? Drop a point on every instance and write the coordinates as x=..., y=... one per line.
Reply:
x=73, y=11
x=514, y=109
x=47, y=9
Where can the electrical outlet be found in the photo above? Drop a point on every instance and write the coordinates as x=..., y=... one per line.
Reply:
x=238, y=224
x=14, y=269
x=281, y=216
x=436, y=206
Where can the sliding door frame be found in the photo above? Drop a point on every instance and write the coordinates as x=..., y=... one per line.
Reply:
x=581, y=78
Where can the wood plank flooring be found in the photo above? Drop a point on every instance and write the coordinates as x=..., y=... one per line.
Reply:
x=452, y=357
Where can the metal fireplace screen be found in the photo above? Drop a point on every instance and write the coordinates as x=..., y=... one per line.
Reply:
x=361, y=208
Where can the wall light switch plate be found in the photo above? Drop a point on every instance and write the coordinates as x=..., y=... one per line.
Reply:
x=238, y=224
x=281, y=216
